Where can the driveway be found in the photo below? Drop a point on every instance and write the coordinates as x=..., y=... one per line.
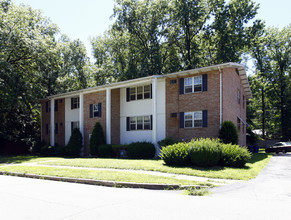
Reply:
x=24, y=198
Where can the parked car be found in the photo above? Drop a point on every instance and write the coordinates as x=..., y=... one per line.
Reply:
x=283, y=147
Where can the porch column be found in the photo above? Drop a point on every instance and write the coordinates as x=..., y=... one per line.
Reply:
x=52, y=131
x=108, y=116
x=81, y=120
x=154, y=110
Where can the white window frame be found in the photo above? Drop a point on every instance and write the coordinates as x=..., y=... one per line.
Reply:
x=193, y=83
x=76, y=102
x=96, y=110
x=138, y=93
x=196, y=118
x=134, y=121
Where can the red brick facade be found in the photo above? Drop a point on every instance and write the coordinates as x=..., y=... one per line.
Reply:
x=59, y=121
x=115, y=116
x=207, y=100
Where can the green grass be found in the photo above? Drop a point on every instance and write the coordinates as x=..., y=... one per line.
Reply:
x=118, y=176
x=251, y=170
x=196, y=192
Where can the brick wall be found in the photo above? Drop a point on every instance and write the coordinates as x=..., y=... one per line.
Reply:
x=208, y=100
x=93, y=98
x=60, y=120
x=45, y=118
x=115, y=116
x=231, y=83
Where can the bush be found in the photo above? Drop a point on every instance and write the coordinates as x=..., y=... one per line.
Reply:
x=205, y=152
x=119, y=150
x=105, y=151
x=228, y=133
x=63, y=151
x=97, y=139
x=47, y=150
x=167, y=141
x=75, y=143
x=141, y=150
x=234, y=155
x=176, y=154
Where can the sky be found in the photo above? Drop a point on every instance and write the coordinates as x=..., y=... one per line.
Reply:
x=83, y=19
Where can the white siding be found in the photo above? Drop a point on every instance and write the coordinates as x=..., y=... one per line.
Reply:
x=70, y=115
x=141, y=108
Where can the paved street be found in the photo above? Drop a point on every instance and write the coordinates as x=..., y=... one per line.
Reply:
x=23, y=198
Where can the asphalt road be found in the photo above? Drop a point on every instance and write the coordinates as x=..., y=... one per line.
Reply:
x=266, y=197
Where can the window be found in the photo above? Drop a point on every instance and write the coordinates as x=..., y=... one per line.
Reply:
x=193, y=119
x=138, y=93
x=47, y=129
x=238, y=96
x=95, y=110
x=74, y=124
x=56, y=128
x=238, y=124
x=75, y=103
x=139, y=123
x=56, y=105
x=193, y=84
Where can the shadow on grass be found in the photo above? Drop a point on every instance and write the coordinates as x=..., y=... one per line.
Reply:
x=16, y=159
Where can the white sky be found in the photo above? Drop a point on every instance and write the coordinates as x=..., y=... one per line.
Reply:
x=82, y=19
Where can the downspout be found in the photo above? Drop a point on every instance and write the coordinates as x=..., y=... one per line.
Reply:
x=220, y=96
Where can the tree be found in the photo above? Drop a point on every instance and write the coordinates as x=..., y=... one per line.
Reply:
x=75, y=143
x=228, y=133
x=97, y=139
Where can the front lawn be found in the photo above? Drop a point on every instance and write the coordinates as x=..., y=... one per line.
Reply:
x=251, y=170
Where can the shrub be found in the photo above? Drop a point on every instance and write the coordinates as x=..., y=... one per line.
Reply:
x=105, y=151
x=234, y=155
x=47, y=150
x=167, y=141
x=228, y=133
x=75, y=143
x=141, y=150
x=205, y=152
x=63, y=151
x=119, y=150
x=176, y=154
x=97, y=139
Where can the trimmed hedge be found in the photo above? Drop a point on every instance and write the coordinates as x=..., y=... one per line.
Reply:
x=176, y=154
x=228, y=133
x=141, y=150
x=167, y=141
x=97, y=139
x=105, y=151
x=205, y=152
x=234, y=155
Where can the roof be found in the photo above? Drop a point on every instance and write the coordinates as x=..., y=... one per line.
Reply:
x=240, y=68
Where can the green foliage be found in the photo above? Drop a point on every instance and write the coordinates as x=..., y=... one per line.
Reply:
x=141, y=150
x=119, y=150
x=47, y=150
x=193, y=191
x=167, y=141
x=205, y=152
x=105, y=151
x=75, y=143
x=228, y=133
x=234, y=155
x=176, y=154
x=97, y=139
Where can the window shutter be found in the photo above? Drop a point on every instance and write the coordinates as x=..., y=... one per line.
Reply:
x=72, y=126
x=91, y=110
x=46, y=128
x=151, y=122
x=56, y=106
x=127, y=94
x=181, y=89
x=181, y=119
x=204, y=82
x=127, y=123
x=204, y=118
x=151, y=91
x=56, y=128
x=72, y=103
x=46, y=106
x=99, y=110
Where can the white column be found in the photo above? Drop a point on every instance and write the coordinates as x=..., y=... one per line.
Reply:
x=52, y=122
x=108, y=116
x=81, y=119
x=154, y=110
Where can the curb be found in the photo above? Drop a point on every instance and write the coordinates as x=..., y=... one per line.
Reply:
x=103, y=182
